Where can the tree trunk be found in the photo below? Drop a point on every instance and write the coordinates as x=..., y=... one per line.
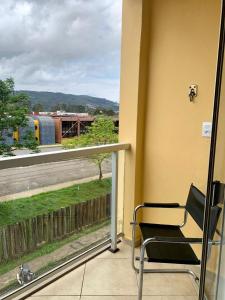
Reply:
x=100, y=170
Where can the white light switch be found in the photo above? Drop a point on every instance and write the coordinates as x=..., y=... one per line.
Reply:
x=206, y=129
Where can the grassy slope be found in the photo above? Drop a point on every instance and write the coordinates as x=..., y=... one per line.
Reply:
x=18, y=210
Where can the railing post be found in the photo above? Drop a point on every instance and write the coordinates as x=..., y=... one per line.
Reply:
x=114, y=202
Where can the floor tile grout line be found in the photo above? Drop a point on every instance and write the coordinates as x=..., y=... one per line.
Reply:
x=133, y=295
x=116, y=295
x=113, y=258
x=82, y=284
x=144, y=295
x=110, y=295
x=40, y=296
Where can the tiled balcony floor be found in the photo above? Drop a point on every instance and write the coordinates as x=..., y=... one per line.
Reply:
x=110, y=276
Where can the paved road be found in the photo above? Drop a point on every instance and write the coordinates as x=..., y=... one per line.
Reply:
x=26, y=178
x=41, y=148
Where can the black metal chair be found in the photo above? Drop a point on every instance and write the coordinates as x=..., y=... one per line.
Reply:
x=166, y=243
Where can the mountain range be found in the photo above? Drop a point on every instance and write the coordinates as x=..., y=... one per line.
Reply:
x=50, y=99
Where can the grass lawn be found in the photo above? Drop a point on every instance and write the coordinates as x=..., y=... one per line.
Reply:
x=17, y=210
x=70, y=143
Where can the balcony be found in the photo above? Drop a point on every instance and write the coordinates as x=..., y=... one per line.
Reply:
x=111, y=277
x=92, y=271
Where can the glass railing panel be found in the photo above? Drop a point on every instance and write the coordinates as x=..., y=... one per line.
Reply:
x=50, y=213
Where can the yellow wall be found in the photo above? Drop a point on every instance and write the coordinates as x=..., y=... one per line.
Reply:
x=132, y=105
x=183, y=51
x=166, y=46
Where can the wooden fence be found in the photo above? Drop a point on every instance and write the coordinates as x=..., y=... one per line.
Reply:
x=28, y=235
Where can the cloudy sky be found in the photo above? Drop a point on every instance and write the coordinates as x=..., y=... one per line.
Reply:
x=69, y=46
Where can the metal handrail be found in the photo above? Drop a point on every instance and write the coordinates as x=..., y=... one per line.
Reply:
x=56, y=156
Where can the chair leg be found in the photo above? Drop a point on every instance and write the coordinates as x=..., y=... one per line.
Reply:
x=186, y=271
x=141, y=268
x=174, y=271
x=133, y=246
x=171, y=271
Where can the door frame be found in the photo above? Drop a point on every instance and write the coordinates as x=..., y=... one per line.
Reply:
x=209, y=193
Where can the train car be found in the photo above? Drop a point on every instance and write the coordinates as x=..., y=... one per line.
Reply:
x=16, y=135
x=58, y=130
x=7, y=137
x=49, y=130
x=37, y=131
x=46, y=130
x=28, y=129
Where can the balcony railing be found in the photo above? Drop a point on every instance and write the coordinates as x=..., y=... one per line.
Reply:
x=60, y=156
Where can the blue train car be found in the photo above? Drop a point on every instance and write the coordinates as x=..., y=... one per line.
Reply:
x=47, y=130
x=7, y=137
x=29, y=128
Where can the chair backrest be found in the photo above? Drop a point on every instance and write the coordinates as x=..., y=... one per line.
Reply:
x=196, y=207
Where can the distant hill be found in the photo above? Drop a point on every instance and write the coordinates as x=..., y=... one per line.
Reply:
x=50, y=99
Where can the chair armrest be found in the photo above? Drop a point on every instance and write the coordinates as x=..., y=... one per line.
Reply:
x=173, y=240
x=162, y=205
x=158, y=205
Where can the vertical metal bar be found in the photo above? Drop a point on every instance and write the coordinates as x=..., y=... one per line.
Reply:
x=133, y=244
x=141, y=270
x=114, y=202
x=209, y=193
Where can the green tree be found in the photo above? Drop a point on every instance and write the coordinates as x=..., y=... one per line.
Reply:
x=103, y=111
x=14, y=108
x=38, y=107
x=101, y=132
x=98, y=111
x=59, y=106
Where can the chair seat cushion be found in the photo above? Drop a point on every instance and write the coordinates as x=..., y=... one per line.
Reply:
x=164, y=252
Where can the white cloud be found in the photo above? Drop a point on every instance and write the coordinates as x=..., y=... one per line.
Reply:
x=71, y=46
